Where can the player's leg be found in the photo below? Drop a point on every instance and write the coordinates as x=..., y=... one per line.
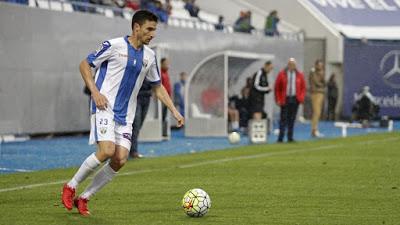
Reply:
x=102, y=132
x=110, y=169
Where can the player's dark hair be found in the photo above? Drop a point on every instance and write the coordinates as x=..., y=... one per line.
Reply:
x=267, y=63
x=141, y=16
x=163, y=60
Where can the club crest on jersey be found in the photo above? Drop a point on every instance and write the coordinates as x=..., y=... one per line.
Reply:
x=145, y=62
x=127, y=136
x=103, y=130
x=102, y=47
x=134, y=62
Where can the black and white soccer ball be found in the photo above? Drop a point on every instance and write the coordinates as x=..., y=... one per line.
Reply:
x=196, y=202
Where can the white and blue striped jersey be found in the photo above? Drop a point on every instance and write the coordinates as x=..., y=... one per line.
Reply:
x=120, y=71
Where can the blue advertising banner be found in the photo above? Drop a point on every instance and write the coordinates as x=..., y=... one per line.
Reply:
x=375, y=64
x=360, y=12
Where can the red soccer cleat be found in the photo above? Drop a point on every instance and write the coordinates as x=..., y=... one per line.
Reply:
x=67, y=196
x=81, y=204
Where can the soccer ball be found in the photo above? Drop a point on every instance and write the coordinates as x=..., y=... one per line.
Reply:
x=196, y=203
x=234, y=138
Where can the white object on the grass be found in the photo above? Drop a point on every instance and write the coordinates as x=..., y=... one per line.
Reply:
x=196, y=202
x=351, y=125
x=319, y=135
x=303, y=120
x=390, y=125
x=234, y=137
x=344, y=126
x=344, y=131
x=197, y=114
x=258, y=131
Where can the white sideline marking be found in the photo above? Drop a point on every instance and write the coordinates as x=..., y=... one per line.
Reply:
x=269, y=154
x=16, y=170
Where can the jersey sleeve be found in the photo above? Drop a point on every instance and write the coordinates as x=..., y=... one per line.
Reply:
x=102, y=54
x=153, y=75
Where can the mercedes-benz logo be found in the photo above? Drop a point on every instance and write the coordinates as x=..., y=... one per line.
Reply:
x=395, y=71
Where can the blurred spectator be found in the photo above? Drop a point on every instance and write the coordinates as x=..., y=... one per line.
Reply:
x=317, y=89
x=259, y=88
x=121, y=4
x=212, y=100
x=132, y=4
x=144, y=3
x=233, y=113
x=156, y=7
x=290, y=90
x=332, y=96
x=81, y=6
x=179, y=93
x=168, y=7
x=23, y=2
x=249, y=83
x=243, y=23
x=220, y=25
x=192, y=8
x=365, y=108
x=142, y=107
x=271, y=24
x=167, y=85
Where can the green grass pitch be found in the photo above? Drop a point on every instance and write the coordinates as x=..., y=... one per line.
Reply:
x=352, y=181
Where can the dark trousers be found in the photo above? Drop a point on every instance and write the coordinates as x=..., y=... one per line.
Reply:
x=142, y=107
x=331, y=108
x=288, y=117
x=164, y=114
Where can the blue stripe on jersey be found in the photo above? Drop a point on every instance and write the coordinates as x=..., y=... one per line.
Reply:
x=131, y=74
x=100, y=80
x=93, y=56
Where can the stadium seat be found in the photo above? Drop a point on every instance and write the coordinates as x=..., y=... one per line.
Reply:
x=190, y=24
x=208, y=17
x=109, y=13
x=127, y=14
x=180, y=13
x=32, y=3
x=54, y=5
x=183, y=23
x=43, y=4
x=177, y=4
x=173, y=22
x=67, y=7
x=197, y=114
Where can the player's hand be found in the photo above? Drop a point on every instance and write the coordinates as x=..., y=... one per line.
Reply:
x=179, y=118
x=100, y=100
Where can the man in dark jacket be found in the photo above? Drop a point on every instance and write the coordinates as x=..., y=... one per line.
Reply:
x=260, y=87
x=290, y=90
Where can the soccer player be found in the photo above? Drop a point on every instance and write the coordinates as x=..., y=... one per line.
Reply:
x=122, y=64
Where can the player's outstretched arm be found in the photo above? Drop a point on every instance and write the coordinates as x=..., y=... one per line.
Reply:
x=162, y=94
x=86, y=72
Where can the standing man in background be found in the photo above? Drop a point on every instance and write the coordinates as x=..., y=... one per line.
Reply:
x=290, y=90
x=142, y=106
x=167, y=85
x=179, y=93
x=332, y=96
x=260, y=87
x=317, y=89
